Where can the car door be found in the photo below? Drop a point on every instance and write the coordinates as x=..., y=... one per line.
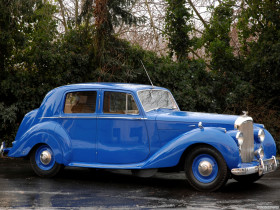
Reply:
x=122, y=134
x=79, y=120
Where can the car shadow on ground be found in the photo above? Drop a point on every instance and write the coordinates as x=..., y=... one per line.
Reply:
x=167, y=181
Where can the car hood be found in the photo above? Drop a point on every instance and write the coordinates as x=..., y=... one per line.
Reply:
x=215, y=120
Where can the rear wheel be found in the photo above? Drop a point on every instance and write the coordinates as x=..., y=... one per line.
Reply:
x=43, y=162
x=206, y=169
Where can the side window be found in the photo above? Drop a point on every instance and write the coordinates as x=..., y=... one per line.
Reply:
x=119, y=103
x=80, y=102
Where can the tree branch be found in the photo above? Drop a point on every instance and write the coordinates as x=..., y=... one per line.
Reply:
x=63, y=14
x=152, y=22
x=197, y=13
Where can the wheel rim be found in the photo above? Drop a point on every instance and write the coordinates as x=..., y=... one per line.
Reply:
x=44, y=158
x=205, y=168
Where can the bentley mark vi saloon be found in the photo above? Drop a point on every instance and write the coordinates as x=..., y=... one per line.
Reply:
x=141, y=128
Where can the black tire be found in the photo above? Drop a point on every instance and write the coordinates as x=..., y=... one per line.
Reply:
x=41, y=169
x=247, y=179
x=218, y=169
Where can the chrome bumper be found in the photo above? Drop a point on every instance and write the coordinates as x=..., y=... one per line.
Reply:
x=264, y=167
x=3, y=149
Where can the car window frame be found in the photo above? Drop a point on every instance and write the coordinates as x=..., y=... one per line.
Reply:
x=62, y=113
x=135, y=97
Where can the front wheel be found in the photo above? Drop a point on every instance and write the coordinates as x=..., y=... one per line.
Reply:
x=43, y=162
x=206, y=169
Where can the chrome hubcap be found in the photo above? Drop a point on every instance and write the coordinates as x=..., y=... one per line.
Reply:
x=45, y=157
x=205, y=168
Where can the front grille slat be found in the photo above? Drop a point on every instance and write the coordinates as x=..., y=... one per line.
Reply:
x=247, y=149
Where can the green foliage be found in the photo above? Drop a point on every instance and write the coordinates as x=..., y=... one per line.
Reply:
x=12, y=27
x=118, y=13
x=250, y=80
x=108, y=14
x=178, y=25
x=259, y=26
x=228, y=85
x=217, y=39
x=8, y=118
x=190, y=84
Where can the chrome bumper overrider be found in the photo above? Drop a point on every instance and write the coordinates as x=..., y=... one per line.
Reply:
x=3, y=149
x=264, y=167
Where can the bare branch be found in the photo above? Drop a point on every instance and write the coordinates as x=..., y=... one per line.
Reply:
x=198, y=14
x=63, y=14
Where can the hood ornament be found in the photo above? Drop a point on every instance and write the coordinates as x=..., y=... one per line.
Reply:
x=245, y=113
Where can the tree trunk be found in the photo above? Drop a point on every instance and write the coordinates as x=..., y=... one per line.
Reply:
x=102, y=32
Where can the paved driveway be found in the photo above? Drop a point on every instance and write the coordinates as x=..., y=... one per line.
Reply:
x=75, y=188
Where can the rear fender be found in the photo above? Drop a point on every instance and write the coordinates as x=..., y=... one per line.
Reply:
x=49, y=133
x=170, y=154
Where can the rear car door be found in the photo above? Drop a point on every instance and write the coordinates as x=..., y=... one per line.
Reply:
x=79, y=120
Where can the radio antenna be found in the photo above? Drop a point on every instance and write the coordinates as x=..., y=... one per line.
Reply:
x=147, y=74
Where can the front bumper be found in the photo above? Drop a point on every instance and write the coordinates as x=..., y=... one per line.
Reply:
x=264, y=167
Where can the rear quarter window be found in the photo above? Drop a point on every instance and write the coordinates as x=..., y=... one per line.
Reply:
x=80, y=102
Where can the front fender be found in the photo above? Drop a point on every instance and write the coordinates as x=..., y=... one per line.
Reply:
x=49, y=133
x=269, y=145
x=170, y=154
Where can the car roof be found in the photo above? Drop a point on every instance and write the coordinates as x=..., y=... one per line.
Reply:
x=52, y=100
x=104, y=85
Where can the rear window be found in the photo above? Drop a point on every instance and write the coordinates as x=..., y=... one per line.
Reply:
x=80, y=102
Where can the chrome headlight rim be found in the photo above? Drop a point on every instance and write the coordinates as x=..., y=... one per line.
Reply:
x=261, y=135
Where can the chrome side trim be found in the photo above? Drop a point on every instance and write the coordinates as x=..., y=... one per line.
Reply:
x=192, y=126
x=126, y=118
x=84, y=117
x=74, y=117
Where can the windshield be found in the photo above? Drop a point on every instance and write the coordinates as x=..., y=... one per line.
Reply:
x=156, y=99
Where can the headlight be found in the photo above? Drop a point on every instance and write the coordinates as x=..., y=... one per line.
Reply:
x=261, y=135
x=240, y=139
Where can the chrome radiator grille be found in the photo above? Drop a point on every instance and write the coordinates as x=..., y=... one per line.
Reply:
x=247, y=149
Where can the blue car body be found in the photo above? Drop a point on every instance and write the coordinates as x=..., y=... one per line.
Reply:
x=146, y=139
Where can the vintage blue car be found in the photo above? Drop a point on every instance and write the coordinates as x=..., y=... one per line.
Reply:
x=141, y=128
